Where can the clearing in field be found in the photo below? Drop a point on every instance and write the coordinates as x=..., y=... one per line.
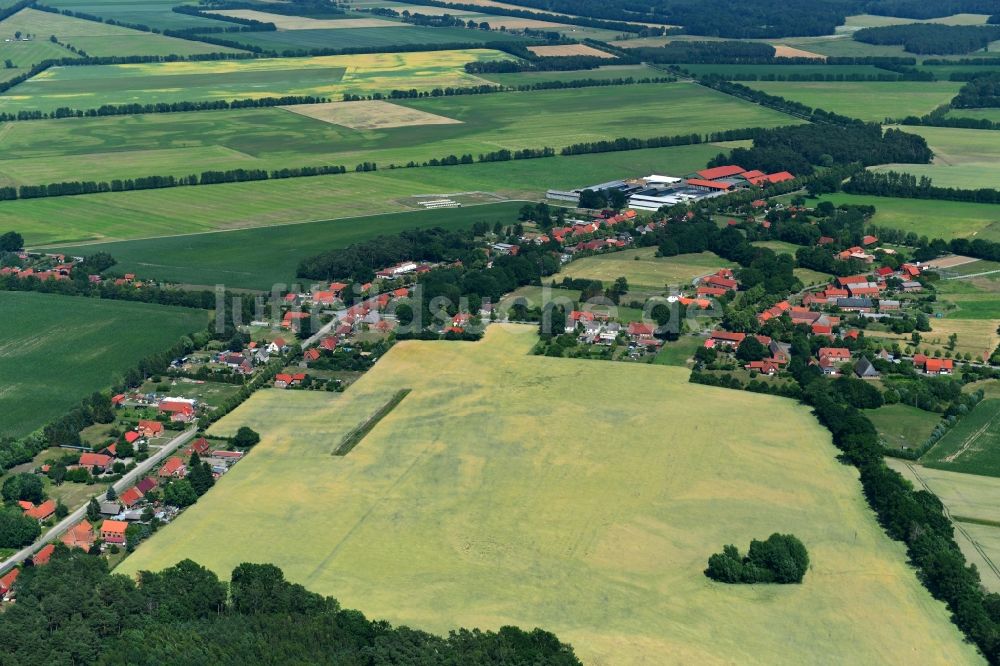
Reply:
x=323, y=76
x=901, y=426
x=101, y=39
x=785, y=51
x=931, y=218
x=57, y=350
x=282, y=22
x=500, y=510
x=643, y=269
x=867, y=100
x=569, y=50
x=369, y=115
x=971, y=502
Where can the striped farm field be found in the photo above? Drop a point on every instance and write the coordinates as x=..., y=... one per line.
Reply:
x=268, y=138
x=327, y=76
x=180, y=210
x=867, y=100
x=973, y=445
x=101, y=39
x=963, y=158
x=57, y=350
x=499, y=510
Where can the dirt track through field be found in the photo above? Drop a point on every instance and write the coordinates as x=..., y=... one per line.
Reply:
x=970, y=441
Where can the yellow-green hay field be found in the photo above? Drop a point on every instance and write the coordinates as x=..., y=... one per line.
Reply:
x=648, y=270
x=579, y=496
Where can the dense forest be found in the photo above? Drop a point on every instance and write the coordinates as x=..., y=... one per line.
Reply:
x=801, y=147
x=983, y=90
x=73, y=611
x=931, y=37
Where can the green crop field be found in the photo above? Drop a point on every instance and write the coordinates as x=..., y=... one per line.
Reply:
x=902, y=426
x=101, y=39
x=24, y=54
x=973, y=445
x=259, y=258
x=153, y=13
x=269, y=138
x=644, y=270
x=367, y=38
x=963, y=158
x=327, y=76
x=983, y=114
x=865, y=100
x=474, y=517
x=971, y=501
x=974, y=297
x=57, y=350
x=931, y=218
x=146, y=213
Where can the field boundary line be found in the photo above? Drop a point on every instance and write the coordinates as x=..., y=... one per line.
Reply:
x=955, y=521
x=358, y=433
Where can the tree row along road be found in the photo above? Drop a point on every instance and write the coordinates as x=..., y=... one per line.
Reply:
x=76, y=516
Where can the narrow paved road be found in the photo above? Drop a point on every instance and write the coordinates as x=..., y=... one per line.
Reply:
x=76, y=516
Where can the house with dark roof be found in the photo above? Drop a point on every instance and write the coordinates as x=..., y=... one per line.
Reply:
x=865, y=370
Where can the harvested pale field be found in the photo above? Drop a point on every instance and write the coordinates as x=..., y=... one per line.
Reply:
x=784, y=51
x=500, y=491
x=569, y=50
x=369, y=115
x=951, y=261
x=282, y=22
x=977, y=337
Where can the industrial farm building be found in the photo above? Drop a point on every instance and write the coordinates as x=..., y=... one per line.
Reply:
x=655, y=191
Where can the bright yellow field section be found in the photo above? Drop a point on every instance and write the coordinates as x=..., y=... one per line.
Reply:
x=583, y=497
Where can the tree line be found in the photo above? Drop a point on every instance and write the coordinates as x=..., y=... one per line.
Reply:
x=73, y=188
x=798, y=148
x=933, y=38
x=894, y=184
x=723, y=52
x=74, y=609
x=776, y=102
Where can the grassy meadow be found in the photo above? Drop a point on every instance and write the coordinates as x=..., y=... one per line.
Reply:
x=101, y=39
x=902, y=426
x=931, y=218
x=973, y=297
x=57, y=350
x=866, y=100
x=269, y=138
x=180, y=210
x=259, y=258
x=325, y=76
x=643, y=269
x=601, y=538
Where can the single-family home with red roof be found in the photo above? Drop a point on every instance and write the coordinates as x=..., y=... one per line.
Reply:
x=727, y=338
x=43, y=511
x=113, y=531
x=939, y=366
x=765, y=367
x=43, y=556
x=7, y=582
x=80, y=535
x=638, y=330
x=869, y=240
x=311, y=355
x=149, y=428
x=95, y=462
x=173, y=467
x=147, y=484
x=130, y=497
